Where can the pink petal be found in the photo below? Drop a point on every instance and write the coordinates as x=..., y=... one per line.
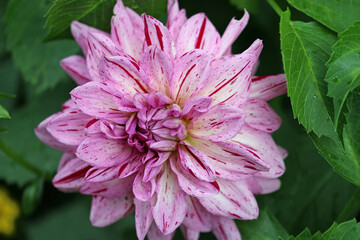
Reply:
x=65, y=158
x=198, y=33
x=95, y=100
x=157, y=34
x=158, y=67
x=231, y=161
x=43, y=134
x=263, y=147
x=194, y=107
x=102, y=152
x=76, y=67
x=191, y=184
x=164, y=146
x=68, y=127
x=70, y=177
x=170, y=207
x=234, y=200
x=81, y=32
x=143, y=190
x=96, y=174
x=259, y=185
x=155, y=234
x=220, y=123
x=100, y=46
x=225, y=228
x=191, y=70
x=124, y=75
x=197, y=162
x=231, y=33
x=268, y=87
x=131, y=166
x=231, y=77
x=260, y=115
x=105, y=211
x=143, y=218
x=123, y=32
x=197, y=217
x=189, y=233
x=176, y=18
x=113, y=188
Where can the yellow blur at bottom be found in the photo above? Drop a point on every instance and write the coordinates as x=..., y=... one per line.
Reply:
x=9, y=211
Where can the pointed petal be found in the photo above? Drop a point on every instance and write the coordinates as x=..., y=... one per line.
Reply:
x=154, y=233
x=190, y=72
x=123, y=32
x=189, y=233
x=197, y=217
x=230, y=161
x=230, y=78
x=191, y=184
x=197, y=162
x=170, y=208
x=96, y=174
x=260, y=115
x=231, y=33
x=43, y=134
x=268, y=87
x=177, y=23
x=124, y=75
x=102, y=152
x=263, y=147
x=157, y=34
x=130, y=167
x=65, y=158
x=225, y=228
x=71, y=176
x=194, y=107
x=143, y=218
x=81, y=32
x=76, y=67
x=220, y=123
x=113, y=188
x=198, y=33
x=259, y=185
x=105, y=211
x=164, y=146
x=143, y=190
x=234, y=200
x=158, y=67
x=69, y=105
x=95, y=100
x=68, y=127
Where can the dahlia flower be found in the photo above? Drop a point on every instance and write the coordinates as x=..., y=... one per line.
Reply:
x=168, y=123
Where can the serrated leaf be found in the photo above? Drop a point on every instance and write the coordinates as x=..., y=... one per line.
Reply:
x=306, y=47
x=96, y=13
x=37, y=61
x=343, y=73
x=4, y=113
x=336, y=15
x=266, y=227
x=31, y=196
x=349, y=230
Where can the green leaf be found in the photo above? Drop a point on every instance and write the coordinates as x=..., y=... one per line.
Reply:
x=96, y=13
x=266, y=227
x=4, y=113
x=155, y=8
x=6, y=95
x=306, y=47
x=336, y=15
x=32, y=196
x=345, y=231
x=251, y=5
x=343, y=74
x=37, y=61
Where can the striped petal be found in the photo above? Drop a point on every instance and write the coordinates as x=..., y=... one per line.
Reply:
x=198, y=33
x=105, y=211
x=75, y=66
x=96, y=174
x=197, y=217
x=259, y=185
x=225, y=229
x=268, y=87
x=143, y=218
x=143, y=190
x=154, y=233
x=113, y=188
x=220, y=123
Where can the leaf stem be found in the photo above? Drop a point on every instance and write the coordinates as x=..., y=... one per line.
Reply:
x=350, y=207
x=22, y=161
x=275, y=6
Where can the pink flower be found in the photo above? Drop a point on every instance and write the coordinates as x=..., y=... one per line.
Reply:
x=167, y=123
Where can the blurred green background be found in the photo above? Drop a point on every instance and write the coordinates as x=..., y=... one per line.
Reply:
x=312, y=195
